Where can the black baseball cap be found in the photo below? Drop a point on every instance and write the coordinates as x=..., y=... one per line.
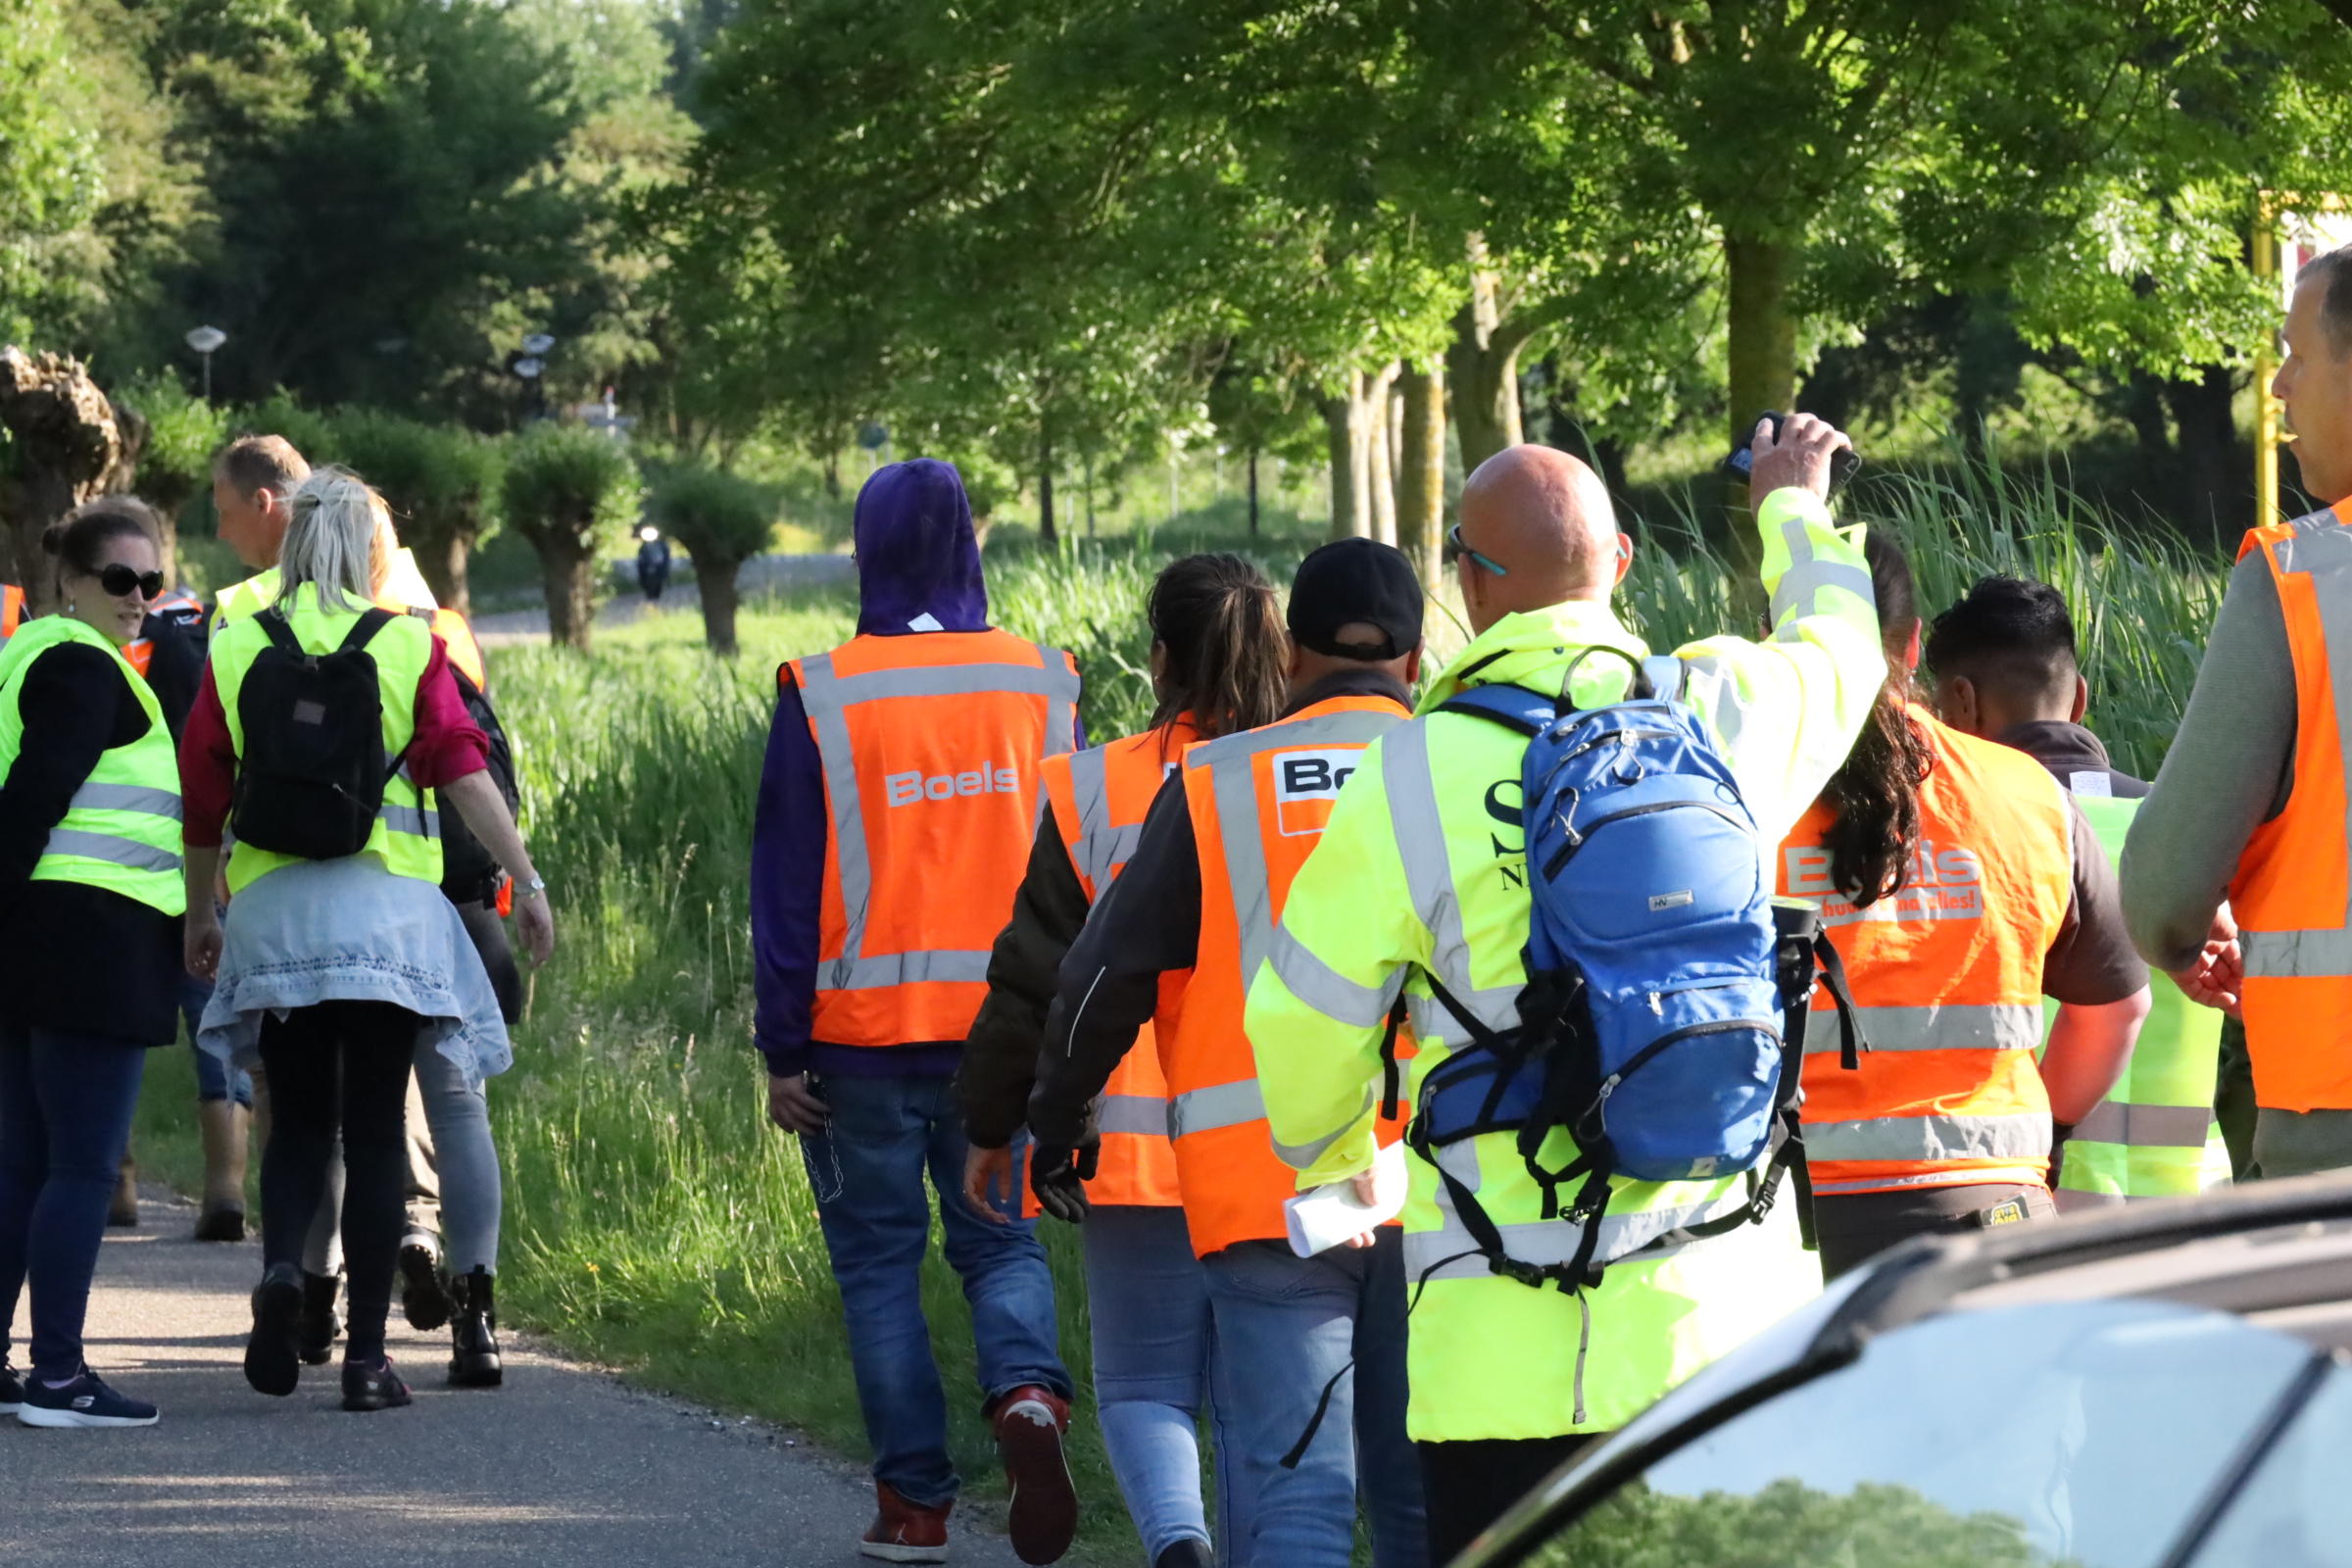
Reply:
x=1356, y=580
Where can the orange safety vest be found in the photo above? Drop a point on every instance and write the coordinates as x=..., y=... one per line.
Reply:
x=1098, y=798
x=12, y=610
x=2293, y=889
x=464, y=651
x=1946, y=971
x=1258, y=801
x=930, y=746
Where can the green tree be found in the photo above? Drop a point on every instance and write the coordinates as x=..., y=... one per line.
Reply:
x=724, y=521
x=569, y=490
x=441, y=482
x=175, y=461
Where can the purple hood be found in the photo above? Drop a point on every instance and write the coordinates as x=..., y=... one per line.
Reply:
x=917, y=557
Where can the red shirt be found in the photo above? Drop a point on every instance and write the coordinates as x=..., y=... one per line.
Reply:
x=448, y=746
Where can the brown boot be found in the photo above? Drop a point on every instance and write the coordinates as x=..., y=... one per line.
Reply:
x=124, y=1210
x=224, y=1123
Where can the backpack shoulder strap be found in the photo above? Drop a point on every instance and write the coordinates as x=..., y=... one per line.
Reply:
x=1665, y=673
x=363, y=630
x=281, y=633
x=1514, y=707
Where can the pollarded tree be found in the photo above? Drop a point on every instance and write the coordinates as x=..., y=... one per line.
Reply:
x=442, y=482
x=569, y=489
x=724, y=521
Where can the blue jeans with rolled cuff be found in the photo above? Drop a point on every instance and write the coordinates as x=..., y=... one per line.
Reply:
x=867, y=1169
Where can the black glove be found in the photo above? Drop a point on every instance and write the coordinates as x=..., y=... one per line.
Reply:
x=1058, y=1176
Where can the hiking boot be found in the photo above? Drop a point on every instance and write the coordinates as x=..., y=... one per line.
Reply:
x=123, y=1211
x=473, y=1334
x=423, y=1292
x=224, y=1123
x=317, y=1335
x=1029, y=1423
x=903, y=1532
x=83, y=1402
x=12, y=1392
x=272, y=1350
x=372, y=1386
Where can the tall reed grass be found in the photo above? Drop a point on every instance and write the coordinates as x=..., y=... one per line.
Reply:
x=657, y=1220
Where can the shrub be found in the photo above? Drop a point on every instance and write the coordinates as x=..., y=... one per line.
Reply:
x=568, y=489
x=722, y=521
x=184, y=432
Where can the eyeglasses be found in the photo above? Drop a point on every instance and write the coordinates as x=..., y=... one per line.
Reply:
x=1453, y=536
x=118, y=580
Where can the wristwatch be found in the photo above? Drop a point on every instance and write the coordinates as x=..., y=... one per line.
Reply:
x=537, y=884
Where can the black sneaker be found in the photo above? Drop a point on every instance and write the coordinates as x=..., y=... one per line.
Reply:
x=424, y=1298
x=272, y=1350
x=315, y=1338
x=83, y=1402
x=12, y=1392
x=372, y=1386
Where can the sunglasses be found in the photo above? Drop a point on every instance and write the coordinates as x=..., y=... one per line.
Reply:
x=118, y=580
x=1453, y=536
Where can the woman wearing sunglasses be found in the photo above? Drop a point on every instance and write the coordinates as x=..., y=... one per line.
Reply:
x=91, y=894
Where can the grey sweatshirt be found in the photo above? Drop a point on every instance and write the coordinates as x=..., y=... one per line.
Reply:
x=2229, y=772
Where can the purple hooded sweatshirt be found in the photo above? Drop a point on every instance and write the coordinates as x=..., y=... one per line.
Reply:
x=918, y=570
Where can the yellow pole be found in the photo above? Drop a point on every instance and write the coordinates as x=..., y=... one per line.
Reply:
x=2266, y=365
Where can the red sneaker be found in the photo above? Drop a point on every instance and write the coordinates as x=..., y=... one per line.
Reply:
x=1029, y=1423
x=901, y=1531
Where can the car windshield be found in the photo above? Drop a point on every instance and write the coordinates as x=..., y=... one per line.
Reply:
x=2082, y=1434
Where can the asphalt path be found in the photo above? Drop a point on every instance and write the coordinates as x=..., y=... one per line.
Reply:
x=563, y=1465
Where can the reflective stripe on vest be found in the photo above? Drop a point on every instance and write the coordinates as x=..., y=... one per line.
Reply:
x=1421, y=845
x=1102, y=847
x=1947, y=972
x=1451, y=1253
x=2293, y=892
x=121, y=831
x=827, y=698
x=1235, y=1180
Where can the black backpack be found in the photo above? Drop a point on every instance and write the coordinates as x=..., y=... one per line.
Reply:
x=311, y=779
x=468, y=871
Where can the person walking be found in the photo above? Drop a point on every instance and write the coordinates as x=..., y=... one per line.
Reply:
x=89, y=961
x=1311, y=1395
x=2005, y=670
x=1960, y=885
x=1423, y=871
x=440, y=1284
x=2241, y=809
x=652, y=562
x=334, y=961
x=899, y=791
x=1217, y=667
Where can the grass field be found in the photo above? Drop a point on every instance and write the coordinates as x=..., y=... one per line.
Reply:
x=655, y=1221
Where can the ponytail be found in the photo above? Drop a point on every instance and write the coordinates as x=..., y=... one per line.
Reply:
x=1227, y=655
x=1876, y=793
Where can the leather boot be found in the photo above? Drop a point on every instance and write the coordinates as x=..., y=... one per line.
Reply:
x=315, y=1337
x=124, y=1210
x=224, y=1124
x=473, y=1334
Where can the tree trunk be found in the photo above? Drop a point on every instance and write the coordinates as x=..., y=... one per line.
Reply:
x=2213, y=488
x=1253, y=492
x=1483, y=365
x=443, y=556
x=1348, y=504
x=569, y=570
x=1380, y=464
x=716, y=583
x=1044, y=490
x=1421, y=470
x=66, y=444
x=1762, y=350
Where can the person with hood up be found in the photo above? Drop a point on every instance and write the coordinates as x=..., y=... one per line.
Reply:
x=893, y=824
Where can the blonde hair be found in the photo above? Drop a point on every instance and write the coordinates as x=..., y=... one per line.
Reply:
x=337, y=540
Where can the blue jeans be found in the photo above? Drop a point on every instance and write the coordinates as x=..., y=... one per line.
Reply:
x=214, y=1078
x=1287, y=1326
x=66, y=1101
x=866, y=1169
x=1149, y=1299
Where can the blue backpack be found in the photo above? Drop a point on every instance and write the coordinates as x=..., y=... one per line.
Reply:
x=1662, y=1020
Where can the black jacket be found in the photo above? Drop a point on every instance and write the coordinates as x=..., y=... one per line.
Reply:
x=1147, y=925
x=999, y=1066
x=76, y=957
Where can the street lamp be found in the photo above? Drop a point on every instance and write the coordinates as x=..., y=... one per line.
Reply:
x=204, y=340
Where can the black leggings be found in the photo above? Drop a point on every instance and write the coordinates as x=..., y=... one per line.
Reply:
x=340, y=1064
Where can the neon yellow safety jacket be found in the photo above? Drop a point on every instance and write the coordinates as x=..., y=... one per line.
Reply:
x=407, y=836
x=2155, y=1134
x=241, y=600
x=1423, y=868
x=121, y=831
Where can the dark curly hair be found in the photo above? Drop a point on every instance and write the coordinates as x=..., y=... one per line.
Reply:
x=1228, y=656
x=1876, y=793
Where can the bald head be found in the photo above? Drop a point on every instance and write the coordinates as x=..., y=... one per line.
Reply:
x=1545, y=519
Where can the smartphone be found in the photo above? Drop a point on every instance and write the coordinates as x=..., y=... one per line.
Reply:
x=1842, y=462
